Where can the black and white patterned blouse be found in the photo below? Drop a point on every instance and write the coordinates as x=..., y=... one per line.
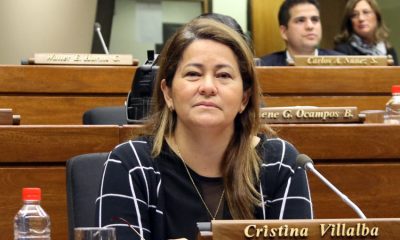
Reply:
x=159, y=201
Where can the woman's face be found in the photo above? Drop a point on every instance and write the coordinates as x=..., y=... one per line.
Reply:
x=364, y=20
x=207, y=88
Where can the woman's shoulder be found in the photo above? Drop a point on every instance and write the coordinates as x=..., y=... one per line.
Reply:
x=134, y=152
x=275, y=149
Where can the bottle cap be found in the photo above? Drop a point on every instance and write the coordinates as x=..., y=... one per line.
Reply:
x=33, y=194
x=396, y=89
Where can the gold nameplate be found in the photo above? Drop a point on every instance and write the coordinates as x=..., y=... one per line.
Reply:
x=305, y=114
x=342, y=61
x=83, y=59
x=372, y=228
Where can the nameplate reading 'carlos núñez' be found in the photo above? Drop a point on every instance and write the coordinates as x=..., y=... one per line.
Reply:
x=307, y=114
x=342, y=61
x=83, y=59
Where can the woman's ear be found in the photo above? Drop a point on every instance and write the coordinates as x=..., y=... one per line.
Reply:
x=245, y=100
x=167, y=95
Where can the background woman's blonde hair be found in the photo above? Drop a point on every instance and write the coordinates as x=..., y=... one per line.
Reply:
x=381, y=31
x=241, y=162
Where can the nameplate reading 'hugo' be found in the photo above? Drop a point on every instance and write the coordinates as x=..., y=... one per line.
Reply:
x=303, y=114
x=342, y=61
x=83, y=59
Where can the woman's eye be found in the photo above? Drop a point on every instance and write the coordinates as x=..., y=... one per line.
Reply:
x=224, y=75
x=192, y=74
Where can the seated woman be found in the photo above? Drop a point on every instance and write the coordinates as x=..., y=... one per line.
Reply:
x=205, y=156
x=363, y=31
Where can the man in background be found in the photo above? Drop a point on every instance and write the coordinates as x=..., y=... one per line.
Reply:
x=300, y=28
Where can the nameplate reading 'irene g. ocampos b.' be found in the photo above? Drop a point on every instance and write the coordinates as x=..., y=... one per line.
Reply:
x=373, y=228
x=82, y=59
x=306, y=114
x=342, y=61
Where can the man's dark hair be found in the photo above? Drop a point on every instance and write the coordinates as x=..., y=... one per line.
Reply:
x=284, y=15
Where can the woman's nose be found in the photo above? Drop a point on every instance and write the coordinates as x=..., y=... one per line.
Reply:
x=207, y=86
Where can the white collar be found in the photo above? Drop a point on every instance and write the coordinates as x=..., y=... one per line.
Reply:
x=289, y=58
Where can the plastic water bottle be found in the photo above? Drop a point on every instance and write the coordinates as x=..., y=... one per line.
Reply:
x=392, y=115
x=31, y=221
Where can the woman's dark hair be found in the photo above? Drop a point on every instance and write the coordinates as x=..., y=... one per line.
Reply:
x=229, y=21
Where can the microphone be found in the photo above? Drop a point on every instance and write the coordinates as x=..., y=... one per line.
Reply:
x=307, y=163
x=97, y=28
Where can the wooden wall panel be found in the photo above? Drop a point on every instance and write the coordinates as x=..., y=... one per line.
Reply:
x=265, y=32
x=52, y=180
x=57, y=109
x=373, y=187
x=38, y=144
x=320, y=81
x=341, y=142
x=65, y=79
x=331, y=19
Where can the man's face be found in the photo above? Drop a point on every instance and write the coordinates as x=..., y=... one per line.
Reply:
x=304, y=31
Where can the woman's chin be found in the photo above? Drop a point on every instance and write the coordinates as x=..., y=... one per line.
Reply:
x=209, y=122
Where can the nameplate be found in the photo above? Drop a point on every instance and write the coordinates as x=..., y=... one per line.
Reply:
x=342, y=61
x=305, y=114
x=83, y=59
x=373, y=228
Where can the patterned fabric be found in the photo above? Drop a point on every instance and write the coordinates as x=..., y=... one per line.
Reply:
x=157, y=198
x=378, y=49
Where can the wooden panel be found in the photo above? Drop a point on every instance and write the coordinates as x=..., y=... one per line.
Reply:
x=331, y=13
x=65, y=79
x=328, y=142
x=50, y=179
x=54, y=143
x=373, y=187
x=362, y=102
x=328, y=80
x=265, y=27
x=57, y=109
x=128, y=132
x=344, y=141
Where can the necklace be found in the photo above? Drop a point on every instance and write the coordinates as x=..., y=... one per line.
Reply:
x=195, y=187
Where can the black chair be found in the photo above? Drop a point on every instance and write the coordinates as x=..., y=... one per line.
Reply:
x=105, y=115
x=84, y=174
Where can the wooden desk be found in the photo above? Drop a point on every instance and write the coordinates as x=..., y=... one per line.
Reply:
x=364, y=87
x=361, y=160
x=61, y=94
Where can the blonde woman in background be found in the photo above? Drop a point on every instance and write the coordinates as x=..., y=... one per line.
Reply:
x=363, y=31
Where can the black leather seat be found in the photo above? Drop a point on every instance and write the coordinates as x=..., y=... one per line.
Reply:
x=83, y=183
x=105, y=115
